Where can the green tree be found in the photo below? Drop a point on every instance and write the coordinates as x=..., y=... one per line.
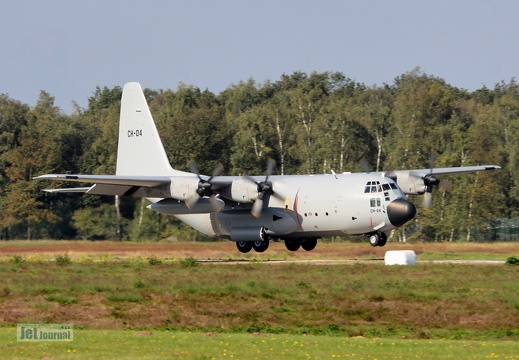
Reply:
x=44, y=143
x=97, y=223
x=13, y=116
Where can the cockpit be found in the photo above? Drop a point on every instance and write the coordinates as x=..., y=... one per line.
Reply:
x=385, y=187
x=376, y=186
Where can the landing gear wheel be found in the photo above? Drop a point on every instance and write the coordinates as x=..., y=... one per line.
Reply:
x=309, y=244
x=374, y=239
x=292, y=245
x=244, y=246
x=260, y=246
x=383, y=239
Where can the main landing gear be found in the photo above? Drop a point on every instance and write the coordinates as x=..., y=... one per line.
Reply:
x=377, y=238
x=258, y=245
x=307, y=244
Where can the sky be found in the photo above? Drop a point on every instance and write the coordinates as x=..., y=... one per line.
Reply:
x=68, y=48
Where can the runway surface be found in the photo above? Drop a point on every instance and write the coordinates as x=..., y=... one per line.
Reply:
x=347, y=261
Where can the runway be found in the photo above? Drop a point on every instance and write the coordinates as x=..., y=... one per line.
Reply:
x=345, y=262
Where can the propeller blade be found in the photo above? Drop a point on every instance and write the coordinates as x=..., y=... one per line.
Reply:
x=190, y=202
x=271, y=164
x=250, y=178
x=215, y=204
x=256, y=208
x=279, y=196
x=432, y=159
x=427, y=200
x=194, y=169
x=218, y=169
x=365, y=166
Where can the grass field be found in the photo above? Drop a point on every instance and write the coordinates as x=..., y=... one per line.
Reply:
x=160, y=302
x=134, y=344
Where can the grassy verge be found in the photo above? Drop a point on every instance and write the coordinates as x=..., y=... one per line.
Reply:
x=427, y=301
x=111, y=344
x=47, y=249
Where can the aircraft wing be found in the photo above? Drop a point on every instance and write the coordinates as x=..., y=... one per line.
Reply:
x=441, y=171
x=421, y=181
x=137, y=186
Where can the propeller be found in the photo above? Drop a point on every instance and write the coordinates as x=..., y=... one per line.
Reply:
x=430, y=181
x=264, y=189
x=365, y=166
x=204, y=186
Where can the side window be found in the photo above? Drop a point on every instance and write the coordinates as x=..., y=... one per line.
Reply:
x=374, y=202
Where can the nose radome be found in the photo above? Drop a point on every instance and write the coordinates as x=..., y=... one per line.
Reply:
x=400, y=211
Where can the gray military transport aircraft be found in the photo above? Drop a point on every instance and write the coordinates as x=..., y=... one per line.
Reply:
x=252, y=210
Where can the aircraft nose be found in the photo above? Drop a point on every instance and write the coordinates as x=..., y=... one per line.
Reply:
x=400, y=211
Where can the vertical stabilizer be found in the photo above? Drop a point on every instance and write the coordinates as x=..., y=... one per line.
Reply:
x=140, y=150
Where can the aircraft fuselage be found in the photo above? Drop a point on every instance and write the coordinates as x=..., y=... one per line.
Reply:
x=314, y=206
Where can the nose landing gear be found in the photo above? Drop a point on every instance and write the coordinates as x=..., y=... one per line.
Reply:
x=377, y=239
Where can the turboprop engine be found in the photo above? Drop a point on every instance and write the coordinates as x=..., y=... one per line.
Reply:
x=241, y=191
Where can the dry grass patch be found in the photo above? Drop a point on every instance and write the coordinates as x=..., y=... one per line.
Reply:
x=360, y=299
x=95, y=250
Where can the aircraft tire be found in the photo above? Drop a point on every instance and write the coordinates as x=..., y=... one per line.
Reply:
x=292, y=245
x=244, y=246
x=309, y=244
x=374, y=239
x=260, y=246
x=383, y=239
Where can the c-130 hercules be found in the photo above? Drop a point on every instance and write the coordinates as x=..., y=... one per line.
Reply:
x=252, y=210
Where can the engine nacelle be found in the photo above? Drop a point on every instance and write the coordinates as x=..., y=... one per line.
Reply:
x=411, y=184
x=241, y=191
x=183, y=187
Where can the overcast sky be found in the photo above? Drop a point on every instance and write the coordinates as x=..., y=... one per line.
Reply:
x=67, y=48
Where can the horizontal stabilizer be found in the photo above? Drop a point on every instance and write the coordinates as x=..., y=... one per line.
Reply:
x=146, y=181
x=68, y=190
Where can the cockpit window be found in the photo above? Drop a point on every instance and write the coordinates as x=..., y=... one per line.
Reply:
x=375, y=186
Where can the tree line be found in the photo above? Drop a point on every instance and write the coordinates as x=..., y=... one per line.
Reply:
x=308, y=123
